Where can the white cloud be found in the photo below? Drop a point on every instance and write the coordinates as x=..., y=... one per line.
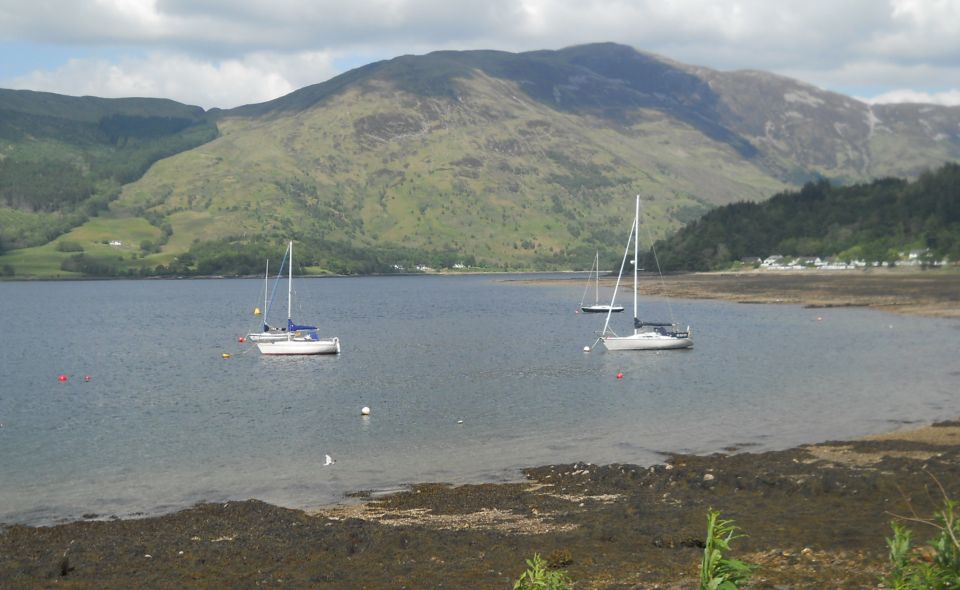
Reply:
x=918, y=30
x=237, y=51
x=948, y=98
x=888, y=77
x=228, y=83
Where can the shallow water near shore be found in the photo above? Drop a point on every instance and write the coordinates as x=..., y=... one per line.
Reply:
x=165, y=422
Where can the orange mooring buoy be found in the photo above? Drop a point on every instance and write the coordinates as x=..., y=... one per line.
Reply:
x=62, y=378
x=619, y=375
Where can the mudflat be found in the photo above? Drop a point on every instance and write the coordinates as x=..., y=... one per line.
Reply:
x=933, y=292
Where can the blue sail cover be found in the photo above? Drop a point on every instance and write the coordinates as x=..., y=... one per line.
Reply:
x=294, y=327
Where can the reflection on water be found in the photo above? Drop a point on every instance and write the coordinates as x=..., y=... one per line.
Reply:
x=468, y=379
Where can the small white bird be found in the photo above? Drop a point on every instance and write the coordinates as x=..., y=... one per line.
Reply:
x=328, y=460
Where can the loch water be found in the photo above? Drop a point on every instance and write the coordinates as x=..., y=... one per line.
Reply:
x=468, y=378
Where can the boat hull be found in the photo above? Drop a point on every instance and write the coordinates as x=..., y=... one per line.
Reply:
x=300, y=346
x=646, y=341
x=601, y=309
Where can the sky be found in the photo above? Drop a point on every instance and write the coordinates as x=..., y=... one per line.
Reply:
x=226, y=53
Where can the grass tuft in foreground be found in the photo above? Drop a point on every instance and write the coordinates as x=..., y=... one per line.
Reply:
x=540, y=577
x=716, y=571
x=934, y=566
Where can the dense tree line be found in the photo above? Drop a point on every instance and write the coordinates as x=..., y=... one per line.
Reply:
x=120, y=128
x=43, y=185
x=865, y=221
x=246, y=257
x=234, y=257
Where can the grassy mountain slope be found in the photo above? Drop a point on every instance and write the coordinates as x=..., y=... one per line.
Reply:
x=490, y=173
x=525, y=160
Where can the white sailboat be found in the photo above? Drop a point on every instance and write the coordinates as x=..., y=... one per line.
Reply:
x=267, y=333
x=294, y=339
x=597, y=307
x=646, y=335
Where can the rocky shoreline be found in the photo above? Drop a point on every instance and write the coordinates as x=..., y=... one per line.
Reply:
x=815, y=517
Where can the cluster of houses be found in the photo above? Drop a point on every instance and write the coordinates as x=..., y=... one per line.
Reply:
x=777, y=262
x=425, y=268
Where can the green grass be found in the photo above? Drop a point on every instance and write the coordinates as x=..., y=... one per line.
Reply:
x=107, y=228
x=40, y=262
x=44, y=261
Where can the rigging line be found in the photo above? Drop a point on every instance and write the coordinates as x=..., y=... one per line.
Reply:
x=663, y=286
x=275, y=283
x=616, y=287
x=587, y=287
x=263, y=311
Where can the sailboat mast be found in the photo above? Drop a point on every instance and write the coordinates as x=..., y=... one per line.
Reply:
x=290, y=282
x=596, y=297
x=636, y=250
x=616, y=286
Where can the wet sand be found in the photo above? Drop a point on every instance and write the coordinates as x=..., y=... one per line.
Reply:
x=816, y=516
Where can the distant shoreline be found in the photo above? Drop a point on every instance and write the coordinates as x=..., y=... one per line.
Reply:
x=26, y=279
x=934, y=293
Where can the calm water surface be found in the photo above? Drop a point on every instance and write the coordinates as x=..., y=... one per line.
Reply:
x=165, y=422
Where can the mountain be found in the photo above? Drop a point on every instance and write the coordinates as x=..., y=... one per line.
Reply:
x=508, y=160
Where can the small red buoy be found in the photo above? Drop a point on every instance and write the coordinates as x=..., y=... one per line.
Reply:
x=619, y=375
x=241, y=339
x=87, y=378
x=62, y=378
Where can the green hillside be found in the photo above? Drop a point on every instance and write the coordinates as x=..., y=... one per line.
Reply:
x=477, y=158
x=63, y=159
x=872, y=222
